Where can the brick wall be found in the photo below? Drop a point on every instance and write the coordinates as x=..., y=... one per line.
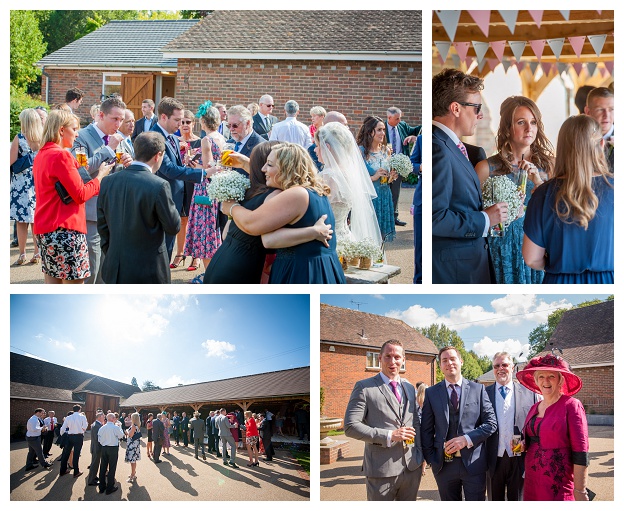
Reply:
x=597, y=392
x=341, y=369
x=23, y=409
x=356, y=89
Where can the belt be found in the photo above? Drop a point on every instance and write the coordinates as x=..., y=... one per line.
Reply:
x=76, y=434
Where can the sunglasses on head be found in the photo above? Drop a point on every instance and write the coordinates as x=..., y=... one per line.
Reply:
x=187, y=122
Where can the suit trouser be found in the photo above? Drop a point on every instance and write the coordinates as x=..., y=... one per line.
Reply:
x=229, y=440
x=211, y=442
x=402, y=487
x=48, y=440
x=506, y=476
x=395, y=189
x=453, y=477
x=95, y=253
x=108, y=462
x=34, y=449
x=216, y=444
x=157, y=448
x=185, y=437
x=268, y=446
x=73, y=442
x=417, y=244
x=96, y=458
x=197, y=443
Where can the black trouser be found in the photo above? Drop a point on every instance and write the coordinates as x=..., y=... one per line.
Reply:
x=108, y=462
x=395, y=190
x=216, y=444
x=34, y=450
x=73, y=442
x=453, y=478
x=48, y=439
x=507, y=476
x=211, y=441
x=157, y=448
x=185, y=437
x=268, y=446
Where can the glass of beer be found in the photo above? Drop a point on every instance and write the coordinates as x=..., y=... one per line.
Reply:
x=447, y=457
x=225, y=156
x=119, y=153
x=516, y=446
x=81, y=156
x=383, y=179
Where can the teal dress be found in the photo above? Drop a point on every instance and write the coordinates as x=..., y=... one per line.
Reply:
x=506, y=252
x=384, y=207
x=311, y=262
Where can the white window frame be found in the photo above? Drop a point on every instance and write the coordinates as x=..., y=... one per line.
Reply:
x=106, y=80
x=375, y=354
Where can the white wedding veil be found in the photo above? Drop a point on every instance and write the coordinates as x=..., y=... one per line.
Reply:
x=348, y=179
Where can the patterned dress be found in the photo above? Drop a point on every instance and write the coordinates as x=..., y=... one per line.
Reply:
x=23, y=188
x=133, y=449
x=166, y=439
x=203, y=236
x=384, y=208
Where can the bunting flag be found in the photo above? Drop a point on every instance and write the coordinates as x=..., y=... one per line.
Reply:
x=498, y=47
x=443, y=47
x=456, y=61
x=597, y=42
x=469, y=61
x=591, y=68
x=517, y=48
x=533, y=67
x=577, y=44
x=537, y=17
x=547, y=68
x=578, y=68
x=602, y=71
x=462, y=50
x=561, y=67
x=506, y=64
x=599, y=12
x=449, y=20
x=556, y=45
x=481, y=49
x=510, y=18
x=566, y=15
x=441, y=60
x=520, y=65
x=538, y=48
x=482, y=19
x=481, y=65
x=609, y=66
x=492, y=63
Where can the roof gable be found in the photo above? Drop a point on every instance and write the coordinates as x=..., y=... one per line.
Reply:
x=585, y=326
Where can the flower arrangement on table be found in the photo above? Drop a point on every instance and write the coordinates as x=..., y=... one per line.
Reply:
x=367, y=249
x=502, y=189
x=228, y=185
x=401, y=164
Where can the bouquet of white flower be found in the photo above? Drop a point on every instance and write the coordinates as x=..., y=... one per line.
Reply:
x=502, y=189
x=367, y=248
x=401, y=164
x=228, y=185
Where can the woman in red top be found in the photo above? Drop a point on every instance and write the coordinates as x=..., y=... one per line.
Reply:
x=61, y=228
x=251, y=439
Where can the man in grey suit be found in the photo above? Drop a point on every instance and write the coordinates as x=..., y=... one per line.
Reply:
x=511, y=402
x=382, y=413
x=223, y=423
x=135, y=212
x=158, y=433
x=96, y=449
x=457, y=419
x=100, y=139
x=263, y=121
x=198, y=426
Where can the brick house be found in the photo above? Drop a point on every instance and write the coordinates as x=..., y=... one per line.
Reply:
x=350, y=342
x=357, y=62
x=36, y=383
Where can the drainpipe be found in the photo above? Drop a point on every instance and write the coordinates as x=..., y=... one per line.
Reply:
x=47, y=89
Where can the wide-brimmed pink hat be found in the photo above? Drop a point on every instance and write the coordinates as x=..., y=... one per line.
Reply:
x=571, y=382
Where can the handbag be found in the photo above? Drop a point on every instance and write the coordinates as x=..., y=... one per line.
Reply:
x=64, y=440
x=62, y=193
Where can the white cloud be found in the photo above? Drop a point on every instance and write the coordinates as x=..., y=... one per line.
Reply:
x=218, y=349
x=62, y=345
x=174, y=380
x=487, y=347
x=137, y=318
x=416, y=316
x=379, y=297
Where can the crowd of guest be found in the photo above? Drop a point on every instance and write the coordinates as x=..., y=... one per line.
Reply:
x=561, y=230
x=80, y=236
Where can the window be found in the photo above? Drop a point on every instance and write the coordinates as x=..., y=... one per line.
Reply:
x=372, y=361
x=111, y=82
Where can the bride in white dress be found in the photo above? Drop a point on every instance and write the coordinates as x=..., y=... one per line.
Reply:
x=351, y=188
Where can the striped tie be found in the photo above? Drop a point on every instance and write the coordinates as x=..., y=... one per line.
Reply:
x=462, y=148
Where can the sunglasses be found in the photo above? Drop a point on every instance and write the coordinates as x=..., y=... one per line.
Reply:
x=235, y=125
x=187, y=122
x=498, y=366
x=476, y=105
x=269, y=106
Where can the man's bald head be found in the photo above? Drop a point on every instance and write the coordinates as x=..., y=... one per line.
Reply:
x=110, y=417
x=335, y=117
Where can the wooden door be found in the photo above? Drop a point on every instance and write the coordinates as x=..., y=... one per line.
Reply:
x=168, y=86
x=134, y=89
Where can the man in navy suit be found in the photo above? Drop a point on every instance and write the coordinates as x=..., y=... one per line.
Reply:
x=416, y=159
x=460, y=225
x=600, y=107
x=263, y=121
x=172, y=169
x=145, y=123
x=457, y=419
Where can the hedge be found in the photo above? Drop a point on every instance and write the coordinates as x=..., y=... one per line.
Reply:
x=20, y=101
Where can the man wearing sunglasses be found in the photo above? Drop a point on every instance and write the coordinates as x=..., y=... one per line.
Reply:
x=460, y=226
x=511, y=402
x=243, y=136
x=263, y=121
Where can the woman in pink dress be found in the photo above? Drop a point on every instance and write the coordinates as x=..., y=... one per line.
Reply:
x=555, y=433
x=166, y=440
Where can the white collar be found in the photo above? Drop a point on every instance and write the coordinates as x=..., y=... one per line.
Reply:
x=448, y=131
x=387, y=380
x=447, y=383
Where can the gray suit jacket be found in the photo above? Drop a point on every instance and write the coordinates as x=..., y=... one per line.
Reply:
x=158, y=430
x=198, y=426
x=96, y=447
x=372, y=412
x=476, y=419
x=223, y=424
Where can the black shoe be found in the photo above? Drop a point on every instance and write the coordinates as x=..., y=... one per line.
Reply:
x=233, y=465
x=400, y=223
x=102, y=490
x=48, y=465
x=108, y=492
x=32, y=467
x=219, y=455
x=225, y=462
x=157, y=461
x=93, y=484
x=204, y=456
x=198, y=458
x=227, y=456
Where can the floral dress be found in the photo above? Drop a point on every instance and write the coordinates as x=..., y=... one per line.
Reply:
x=133, y=449
x=166, y=439
x=203, y=236
x=23, y=188
x=384, y=207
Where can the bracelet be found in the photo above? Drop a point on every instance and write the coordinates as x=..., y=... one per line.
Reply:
x=584, y=492
x=231, y=208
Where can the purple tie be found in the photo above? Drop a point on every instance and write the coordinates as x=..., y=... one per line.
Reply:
x=394, y=385
x=454, y=398
x=105, y=138
x=462, y=148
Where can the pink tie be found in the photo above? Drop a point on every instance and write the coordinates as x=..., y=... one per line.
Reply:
x=394, y=384
x=462, y=148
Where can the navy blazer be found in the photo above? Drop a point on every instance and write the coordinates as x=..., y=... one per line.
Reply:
x=476, y=419
x=139, y=126
x=259, y=126
x=459, y=250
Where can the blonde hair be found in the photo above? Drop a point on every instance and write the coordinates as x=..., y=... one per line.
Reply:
x=420, y=394
x=296, y=168
x=248, y=414
x=57, y=119
x=579, y=157
x=31, y=127
x=136, y=419
x=318, y=110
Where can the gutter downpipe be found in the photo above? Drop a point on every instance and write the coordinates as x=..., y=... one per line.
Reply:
x=47, y=89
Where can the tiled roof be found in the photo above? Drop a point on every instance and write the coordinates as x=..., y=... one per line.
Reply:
x=25, y=391
x=289, y=382
x=121, y=44
x=304, y=31
x=39, y=373
x=346, y=326
x=586, y=326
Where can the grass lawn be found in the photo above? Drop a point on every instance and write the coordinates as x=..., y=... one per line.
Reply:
x=303, y=457
x=335, y=432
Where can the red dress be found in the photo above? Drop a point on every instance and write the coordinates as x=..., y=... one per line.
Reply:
x=554, y=444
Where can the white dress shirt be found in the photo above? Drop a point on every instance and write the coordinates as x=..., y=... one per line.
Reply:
x=110, y=434
x=77, y=424
x=33, y=427
x=505, y=411
x=291, y=130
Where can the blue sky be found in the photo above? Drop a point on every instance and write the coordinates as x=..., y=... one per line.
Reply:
x=168, y=339
x=486, y=323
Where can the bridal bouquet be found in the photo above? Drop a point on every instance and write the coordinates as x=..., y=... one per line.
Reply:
x=367, y=248
x=228, y=185
x=401, y=164
x=502, y=189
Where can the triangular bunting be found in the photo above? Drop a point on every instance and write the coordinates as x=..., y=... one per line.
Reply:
x=498, y=47
x=609, y=66
x=599, y=12
x=533, y=67
x=591, y=68
x=492, y=63
x=517, y=48
x=566, y=15
x=603, y=71
x=443, y=47
x=562, y=67
x=556, y=45
x=597, y=42
x=481, y=49
x=456, y=60
x=510, y=18
x=520, y=66
x=547, y=68
x=538, y=48
x=506, y=64
x=481, y=65
x=469, y=61
x=578, y=68
x=482, y=19
x=449, y=20
x=577, y=44
x=537, y=17
x=462, y=50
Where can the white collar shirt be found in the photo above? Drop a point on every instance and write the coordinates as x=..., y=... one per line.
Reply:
x=77, y=423
x=291, y=130
x=33, y=427
x=505, y=411
x=47, y=420
x=110, y=434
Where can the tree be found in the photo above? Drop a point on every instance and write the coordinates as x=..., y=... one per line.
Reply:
x=134, y=382
x=194, y=14
x=148, y=385
x=441, y=335
x=484, y=362
x=27, y=47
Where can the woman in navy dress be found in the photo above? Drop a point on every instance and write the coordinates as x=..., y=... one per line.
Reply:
x=522, y=145
x=301, y=204
x=569, y=221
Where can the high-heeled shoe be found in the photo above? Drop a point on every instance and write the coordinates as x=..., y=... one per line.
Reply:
x=21, y=260
x=194, y=264
x=181, y=260
x=257, y=464
x=36, y=259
